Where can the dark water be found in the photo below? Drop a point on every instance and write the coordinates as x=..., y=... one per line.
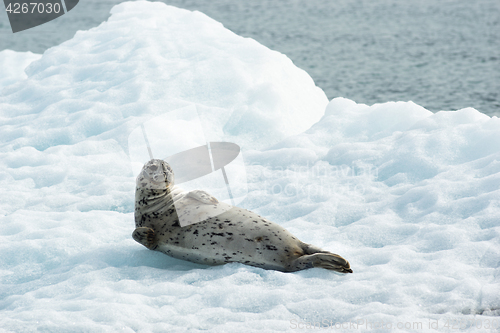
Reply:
x=441, y=54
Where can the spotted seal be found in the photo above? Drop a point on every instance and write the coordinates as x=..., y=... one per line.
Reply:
x=234, y=235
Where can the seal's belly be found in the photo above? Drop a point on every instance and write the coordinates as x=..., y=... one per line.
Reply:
x=237, y=235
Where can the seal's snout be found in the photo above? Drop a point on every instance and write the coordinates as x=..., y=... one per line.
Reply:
x=156, y=174
x=158, y=178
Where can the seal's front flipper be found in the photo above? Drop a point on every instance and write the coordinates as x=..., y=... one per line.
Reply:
x=197, y=206
x=203, y=197
x=145, y=236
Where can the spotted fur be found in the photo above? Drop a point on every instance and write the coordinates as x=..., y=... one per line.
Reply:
x=235, y=235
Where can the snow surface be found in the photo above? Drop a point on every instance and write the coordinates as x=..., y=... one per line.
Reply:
x=13, y=64
x=409, y=197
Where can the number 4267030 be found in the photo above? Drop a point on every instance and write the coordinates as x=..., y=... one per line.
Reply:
x=33, y=8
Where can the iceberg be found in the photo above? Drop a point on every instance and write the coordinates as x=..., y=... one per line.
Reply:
x=411, y=198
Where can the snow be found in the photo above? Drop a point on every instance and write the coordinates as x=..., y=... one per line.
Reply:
x=409, y=197
x=13, y=64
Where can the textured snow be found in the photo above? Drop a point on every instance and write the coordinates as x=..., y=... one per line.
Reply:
x=13, y=64
x=409, y=197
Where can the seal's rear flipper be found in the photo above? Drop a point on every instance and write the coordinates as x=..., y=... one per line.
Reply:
x=329, y=261
x=145, y=236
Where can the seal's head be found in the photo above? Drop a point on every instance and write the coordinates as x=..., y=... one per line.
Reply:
x=155, y=175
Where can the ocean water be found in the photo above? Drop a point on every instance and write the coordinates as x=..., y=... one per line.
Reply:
x=443, y=55
x=410, y=197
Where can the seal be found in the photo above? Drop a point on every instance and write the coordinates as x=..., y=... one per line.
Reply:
x=231, y=234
